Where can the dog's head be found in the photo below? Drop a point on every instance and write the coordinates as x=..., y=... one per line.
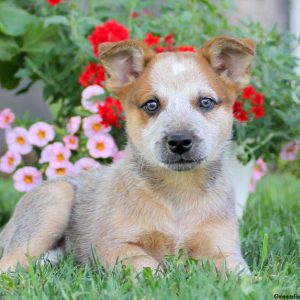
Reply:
x=178, y=105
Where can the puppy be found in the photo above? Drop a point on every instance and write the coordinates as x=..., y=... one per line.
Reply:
x=172, y=190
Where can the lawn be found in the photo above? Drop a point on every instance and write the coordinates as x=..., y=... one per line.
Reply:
x=270, y=242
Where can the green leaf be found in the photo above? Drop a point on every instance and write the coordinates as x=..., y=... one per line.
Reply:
x=39, y=39
x=13, y=20
x=7, y=75
x=54, y=20
x=8, y=48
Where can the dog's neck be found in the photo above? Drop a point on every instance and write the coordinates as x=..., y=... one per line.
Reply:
x=202, y=179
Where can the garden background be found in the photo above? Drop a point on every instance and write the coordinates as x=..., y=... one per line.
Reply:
x=50, y=75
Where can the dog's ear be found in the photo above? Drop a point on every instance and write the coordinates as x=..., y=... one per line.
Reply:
x=123, y=62
x=231, y=59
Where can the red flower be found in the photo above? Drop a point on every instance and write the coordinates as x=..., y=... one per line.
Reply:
x=159, y=49
x=110, y=112
x=258, y=99
x=258, y=111
x=135, y=15
x=53, y=2
x=237, y=106
x=186, y=49
x=92, y=74
x=151, y=40
x=110, y=31
x=248, y=92
x=238, y=111
x=168, y=39
x=241, y=115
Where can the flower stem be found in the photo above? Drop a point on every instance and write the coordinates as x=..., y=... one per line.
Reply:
x=92, y=8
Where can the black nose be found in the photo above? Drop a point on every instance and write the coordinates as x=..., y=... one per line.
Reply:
x=180, y=143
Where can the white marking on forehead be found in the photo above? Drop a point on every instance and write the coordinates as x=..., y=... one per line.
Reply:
x=179, y=78
x=178, y=67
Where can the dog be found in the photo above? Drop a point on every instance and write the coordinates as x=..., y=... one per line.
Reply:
x=172, y=189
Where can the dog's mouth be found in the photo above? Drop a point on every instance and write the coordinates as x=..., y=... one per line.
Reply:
x=183, y=164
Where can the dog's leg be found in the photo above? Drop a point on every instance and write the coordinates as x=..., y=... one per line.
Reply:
x=129, y=254
x=218, y=240
x=37, y=225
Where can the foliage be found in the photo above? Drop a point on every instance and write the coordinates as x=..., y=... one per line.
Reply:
x=270, y=243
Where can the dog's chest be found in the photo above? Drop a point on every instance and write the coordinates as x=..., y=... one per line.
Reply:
x=172, y=234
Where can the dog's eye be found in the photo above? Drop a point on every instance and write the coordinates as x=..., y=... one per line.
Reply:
x=206, y=103
x=151, y=106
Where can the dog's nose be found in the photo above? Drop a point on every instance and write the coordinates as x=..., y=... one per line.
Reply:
x=180, y=143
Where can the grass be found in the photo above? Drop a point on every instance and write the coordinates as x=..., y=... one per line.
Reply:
x=270, y=242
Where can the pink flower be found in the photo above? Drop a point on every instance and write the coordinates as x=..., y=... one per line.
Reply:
x=26, y=178
x=102, y=145
x=118, y=156
x=17, y=140
x=9, y=161
x=89, y=92
x=86, y=164
x=40, y=134
x=92, y=126
x=71, y=142
x=73, y=124
x=6, y=118
x=259, y=170
x=62, y=170
x=56, y=154
x=59, y=155
x=290, y=150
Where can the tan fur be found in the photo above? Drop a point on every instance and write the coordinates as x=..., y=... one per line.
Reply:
x=139, y=210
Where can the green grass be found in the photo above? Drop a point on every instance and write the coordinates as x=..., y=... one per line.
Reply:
x=270, y=242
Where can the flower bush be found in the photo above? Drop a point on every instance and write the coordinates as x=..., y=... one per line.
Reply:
x=57, y=42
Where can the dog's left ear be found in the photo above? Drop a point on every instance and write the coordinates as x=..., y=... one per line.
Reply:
x=231, y=59
x=123, y=62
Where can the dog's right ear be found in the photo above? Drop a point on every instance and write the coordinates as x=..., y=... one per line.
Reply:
x=123, y=62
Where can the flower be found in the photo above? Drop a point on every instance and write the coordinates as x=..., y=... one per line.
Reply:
x=168, y=39
x=258, y=99
x=238, y=112
x=54, y=2
x=248, y=93
x=27, y=178
x=159, y=49
x=135, y=15
x=6, y=118
x=259, y=170
x=59, y=155
x=73, y=124
x=186, y=49
x=71, y=142
x=89, y=92
x=151, y=40
x=86, y=164
x=40, y=134
x=17, y=140
x=290, y=150
x=110, y=31
x=57, y=171
x=102, y=145
x=92, y=125
x=258, y=111
x=92, y=74
x=9, y=161
x=118, y=156
x=110, y=112
x=56, y=154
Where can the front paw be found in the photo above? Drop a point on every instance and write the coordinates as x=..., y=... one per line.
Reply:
x=236, y=265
